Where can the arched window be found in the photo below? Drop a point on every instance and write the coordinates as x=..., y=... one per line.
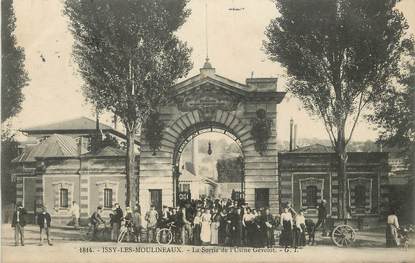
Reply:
x=360, y=195
x=311, y=196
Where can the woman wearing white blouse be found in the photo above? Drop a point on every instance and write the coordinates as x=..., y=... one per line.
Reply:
x=287, y=224
x=299, y=230
x=392, y=226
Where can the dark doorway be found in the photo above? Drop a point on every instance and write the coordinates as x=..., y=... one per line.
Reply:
x=155, y=198
x=261, y=198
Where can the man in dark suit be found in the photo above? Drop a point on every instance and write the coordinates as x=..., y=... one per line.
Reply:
x=322, y=216
x=43, y=220
x=236, y=223
x=268, y=225
x=18, y=223
x=116, y=221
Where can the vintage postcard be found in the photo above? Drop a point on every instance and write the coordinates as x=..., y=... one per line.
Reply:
x=207, y=131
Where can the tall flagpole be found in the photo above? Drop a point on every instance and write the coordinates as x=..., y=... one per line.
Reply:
x=206, y=29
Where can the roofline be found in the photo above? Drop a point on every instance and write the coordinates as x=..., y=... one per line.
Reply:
x=81, y=131
x=243, y=90
x=294, y=152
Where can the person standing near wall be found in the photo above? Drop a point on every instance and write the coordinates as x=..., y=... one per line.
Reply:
x=187, y=221
x=322, y=216
x=270, y=224
x=287, y=224
x=152, y=218
x=392, y=226
x=18, y=223
x=75, y=212
x=116, y=221
x=43, y=221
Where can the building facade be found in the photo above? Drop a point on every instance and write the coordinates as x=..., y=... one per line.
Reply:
x=209, y=102
x=308, y=175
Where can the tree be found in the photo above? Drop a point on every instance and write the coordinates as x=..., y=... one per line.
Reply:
x=9, y=151
x=396, y=118
x=339, y=56
x=13, y=75
x=129, y=56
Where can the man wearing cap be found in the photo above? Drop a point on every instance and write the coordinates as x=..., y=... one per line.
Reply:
x=96, y=219
x=322, y=216
x=116, y=221
x=18, y=223
x=43, y=220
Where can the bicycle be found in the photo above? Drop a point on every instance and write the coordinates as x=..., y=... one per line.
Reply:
x=165, y=235
x=87, y=233
x=125, y=229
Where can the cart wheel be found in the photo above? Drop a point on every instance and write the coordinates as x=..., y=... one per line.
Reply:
x=164, y=236
x=343, y=235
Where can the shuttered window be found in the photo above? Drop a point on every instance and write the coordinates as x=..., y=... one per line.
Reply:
x=360, y=195
x=311, y=196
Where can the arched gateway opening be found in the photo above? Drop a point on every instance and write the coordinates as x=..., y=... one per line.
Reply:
x=216, y=171
x=209, y=102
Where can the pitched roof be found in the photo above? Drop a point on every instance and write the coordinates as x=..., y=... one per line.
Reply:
x=108, y=151
x=56, y=145
x=81, y=123
x=314, y=148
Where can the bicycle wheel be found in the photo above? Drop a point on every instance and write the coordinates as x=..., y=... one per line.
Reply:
x=164, y=236
x=86, y=233
x=121, y=235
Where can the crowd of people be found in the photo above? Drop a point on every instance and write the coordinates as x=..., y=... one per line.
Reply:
x=215, y=222
x=203, y=222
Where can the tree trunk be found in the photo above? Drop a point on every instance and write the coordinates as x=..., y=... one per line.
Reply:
x=130, y=165
x=341, y=173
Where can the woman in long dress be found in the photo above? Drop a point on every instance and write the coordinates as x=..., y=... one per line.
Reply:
x=287, y=224
x=248, y=222
x=214, y=227
x=205, y=232
x=196, y=228
x=392, y=227
x=299, y=230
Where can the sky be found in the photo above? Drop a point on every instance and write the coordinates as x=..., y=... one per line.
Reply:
x=234, y=44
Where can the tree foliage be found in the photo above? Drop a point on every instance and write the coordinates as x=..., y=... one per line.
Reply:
x=9, y=151
x=396, y=118
x=121, y=42
x=13, y=75
x=340, y=56
x=129, y=56
x=229, y=169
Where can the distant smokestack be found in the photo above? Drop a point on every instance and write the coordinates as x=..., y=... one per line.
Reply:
x=291, y=134
x=80, y=142
x=295, y=137
x=115, y=122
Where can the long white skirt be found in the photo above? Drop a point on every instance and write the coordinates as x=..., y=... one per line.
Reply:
x=205, y=232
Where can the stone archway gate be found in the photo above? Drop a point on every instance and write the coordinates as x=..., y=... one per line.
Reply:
x=209, y=100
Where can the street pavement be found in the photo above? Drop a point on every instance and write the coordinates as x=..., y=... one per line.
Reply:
x=68, y=247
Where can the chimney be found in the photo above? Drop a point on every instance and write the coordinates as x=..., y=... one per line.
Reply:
x=291, y=134
x=80, y=143
x=295, y=137
x=115, y=120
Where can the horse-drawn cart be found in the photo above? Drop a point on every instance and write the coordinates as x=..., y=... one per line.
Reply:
x=341, y=232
